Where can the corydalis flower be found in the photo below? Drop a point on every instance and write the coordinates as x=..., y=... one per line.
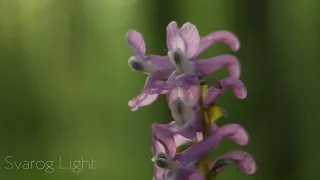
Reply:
x=184, y=47
x=178, y=166
x=182, y=113
x=157, y=67
x=182, y=103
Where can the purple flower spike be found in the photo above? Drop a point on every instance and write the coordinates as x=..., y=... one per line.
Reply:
x=186, y=142
x=199, y=150
x=238, y=88
x=219, y=36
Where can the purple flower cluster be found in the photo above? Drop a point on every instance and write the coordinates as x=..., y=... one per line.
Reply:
x=181, y=147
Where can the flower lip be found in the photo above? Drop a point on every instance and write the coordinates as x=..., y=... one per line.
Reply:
x=161, y=160
x=181, y=113
x=180, y=60
x=180, y=106
x=177, y=57
x=136, y=64
x=164, y=161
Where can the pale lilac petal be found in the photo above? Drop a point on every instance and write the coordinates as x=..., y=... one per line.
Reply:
x=238, y=88
x=191, y=36
x=191, y=95
x=158, y=172
x=152, y=88
x=211, y=95
x=161, y=62
x=199, y=135
x=199, y=150
x=188, y=132
x=174, y=38
x=178, y=42
x=145, y=98
x=172, y=80
x=180, y=140
x=136, y=42
x=208, y=66
x=149, y=100
x=175, y=93
x=172, y=29
x=243, y=159
x=162, y=140
x=142, y=100
x=219, y=36
x=196, y=176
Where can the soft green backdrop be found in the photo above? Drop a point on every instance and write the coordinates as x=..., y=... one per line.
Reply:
x=65, y=83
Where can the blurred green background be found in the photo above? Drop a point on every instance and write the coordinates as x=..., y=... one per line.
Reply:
x=65, y=83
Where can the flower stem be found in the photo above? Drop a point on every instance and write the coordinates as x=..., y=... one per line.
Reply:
x=205, y=161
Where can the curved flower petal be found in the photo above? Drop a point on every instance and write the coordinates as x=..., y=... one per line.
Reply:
x=180, y=140
x=158, y=173
x=152, y=88
x=136, y=42
x=211, y=95
x=243, y=159
x=199, y=150
x=172, y=29
x=161, y=62
x=237, y=86
x=175, y=93
x=208, y=66
x=191, y=36
x=174, y=38
x=144, y=99
x=162, y=140
x=219, y=36
x=191, y=95
x=177, y=42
